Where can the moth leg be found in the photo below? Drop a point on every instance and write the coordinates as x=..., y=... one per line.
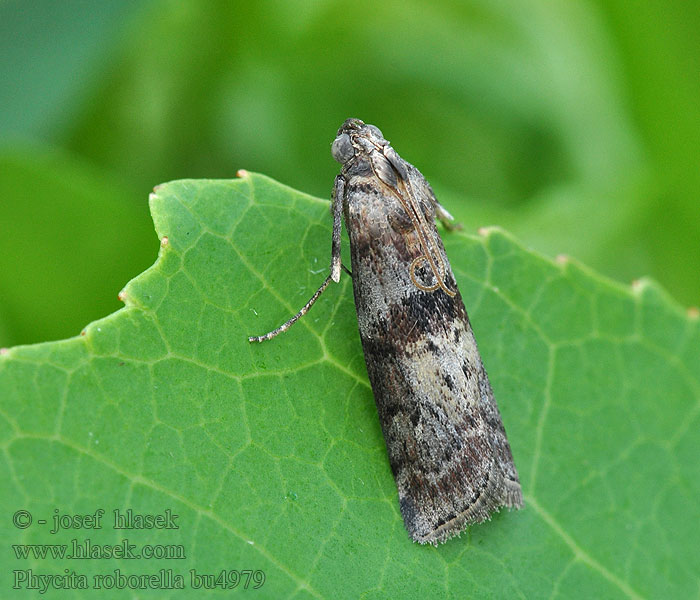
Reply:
x=336, y=264
x=337, y=207
x=445, y=217
x=441, y=213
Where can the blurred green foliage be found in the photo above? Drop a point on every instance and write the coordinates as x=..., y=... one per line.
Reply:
x=576, y=125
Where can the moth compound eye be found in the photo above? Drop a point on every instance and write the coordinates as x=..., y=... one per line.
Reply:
x=342, y=149
x=375, y=131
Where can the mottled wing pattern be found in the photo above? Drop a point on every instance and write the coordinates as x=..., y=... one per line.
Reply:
x=445, y=439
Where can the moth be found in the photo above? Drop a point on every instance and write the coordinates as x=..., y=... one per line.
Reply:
x=444, y=436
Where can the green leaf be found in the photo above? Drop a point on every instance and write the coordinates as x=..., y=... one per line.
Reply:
x=271, y=454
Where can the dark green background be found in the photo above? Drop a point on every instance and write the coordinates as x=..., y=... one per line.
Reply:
x=576, y=125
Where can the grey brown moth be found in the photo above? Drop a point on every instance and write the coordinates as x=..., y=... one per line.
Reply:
x=446, y=443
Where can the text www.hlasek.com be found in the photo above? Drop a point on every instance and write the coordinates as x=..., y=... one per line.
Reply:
x=85, y=549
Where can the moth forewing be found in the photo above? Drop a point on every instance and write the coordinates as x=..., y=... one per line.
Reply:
x=446, y=443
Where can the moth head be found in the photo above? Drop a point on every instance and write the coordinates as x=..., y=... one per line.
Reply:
x=355, y=135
